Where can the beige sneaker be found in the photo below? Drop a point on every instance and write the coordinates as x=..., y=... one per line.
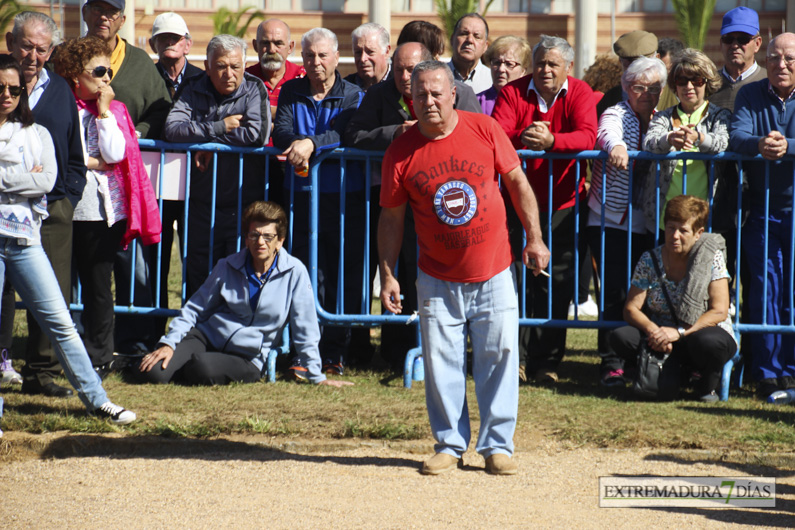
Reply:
x=500, y=464
x=440, y=463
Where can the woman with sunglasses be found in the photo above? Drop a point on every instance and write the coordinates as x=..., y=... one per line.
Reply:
x=621, y=129
x=27, y=173
x=694, y=125
x=118, y=202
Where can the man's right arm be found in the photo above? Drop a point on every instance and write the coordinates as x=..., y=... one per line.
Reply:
x=743, y=138
x=390, y=238
x=75, y=180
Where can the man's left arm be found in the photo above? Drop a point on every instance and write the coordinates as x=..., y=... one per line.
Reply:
x=580, y=135
x=526, y=206
x=250, y=132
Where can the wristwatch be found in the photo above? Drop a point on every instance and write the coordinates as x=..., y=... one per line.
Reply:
x=105, y=115
x=681, y=333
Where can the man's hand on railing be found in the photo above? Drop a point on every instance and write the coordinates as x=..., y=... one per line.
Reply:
x=232, y=122
x=773, y=146
x=618, y=157
x=203, y=159
x=538, y=137
x=299, y=152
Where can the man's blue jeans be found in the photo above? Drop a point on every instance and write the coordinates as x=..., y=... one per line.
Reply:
x=488, y=312
x=31, y=273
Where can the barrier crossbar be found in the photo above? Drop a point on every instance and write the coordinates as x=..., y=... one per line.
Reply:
x=368, y=162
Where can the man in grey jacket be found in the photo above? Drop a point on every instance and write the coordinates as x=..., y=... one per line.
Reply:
x=225, y=105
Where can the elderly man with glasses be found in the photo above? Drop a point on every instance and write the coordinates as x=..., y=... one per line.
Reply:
x=764, y=124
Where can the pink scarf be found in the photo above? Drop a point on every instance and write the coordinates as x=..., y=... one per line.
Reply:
x=143, y=213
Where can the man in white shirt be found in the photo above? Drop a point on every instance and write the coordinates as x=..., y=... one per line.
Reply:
x=468, y=44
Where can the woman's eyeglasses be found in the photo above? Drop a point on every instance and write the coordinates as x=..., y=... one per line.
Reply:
x=697, y=81
x=15, y=91
x=100, y=71
x=510, y=65
x=641, y=89
x=256, y=236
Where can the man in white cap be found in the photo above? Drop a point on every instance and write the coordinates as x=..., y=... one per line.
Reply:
x=171, y=42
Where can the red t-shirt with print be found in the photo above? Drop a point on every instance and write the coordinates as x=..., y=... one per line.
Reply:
x=452, y=187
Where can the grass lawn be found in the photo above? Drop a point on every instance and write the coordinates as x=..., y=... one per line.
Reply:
x=576, y=411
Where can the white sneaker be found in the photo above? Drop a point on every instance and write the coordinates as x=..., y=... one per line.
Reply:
x=9, y=375
x=585, y=309
x=116, y=414
x=588, y=308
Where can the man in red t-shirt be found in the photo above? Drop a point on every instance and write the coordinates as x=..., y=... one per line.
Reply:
x=447, y=167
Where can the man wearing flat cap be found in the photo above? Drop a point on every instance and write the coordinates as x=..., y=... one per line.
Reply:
x=628, y=47
x=740, y=41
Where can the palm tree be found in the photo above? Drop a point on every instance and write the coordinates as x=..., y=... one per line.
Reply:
x=228, y=22
x=8, y=10
x=451, y=10
x=693, y=18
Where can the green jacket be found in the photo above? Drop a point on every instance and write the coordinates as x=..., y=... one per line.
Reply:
x=139, y=86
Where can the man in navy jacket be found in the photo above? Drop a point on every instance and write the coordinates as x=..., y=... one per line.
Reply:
x=31, y=42
x=311, y=117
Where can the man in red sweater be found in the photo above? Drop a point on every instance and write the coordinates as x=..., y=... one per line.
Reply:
x=549, y=111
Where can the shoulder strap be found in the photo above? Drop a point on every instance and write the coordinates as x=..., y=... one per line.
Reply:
x=662, y=286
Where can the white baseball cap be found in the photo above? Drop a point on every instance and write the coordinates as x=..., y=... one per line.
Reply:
x=169, y=23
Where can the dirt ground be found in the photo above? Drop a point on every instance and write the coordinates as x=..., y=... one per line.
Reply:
x=111, y=481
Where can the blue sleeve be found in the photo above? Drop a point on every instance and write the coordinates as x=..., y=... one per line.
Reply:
x=743, y=138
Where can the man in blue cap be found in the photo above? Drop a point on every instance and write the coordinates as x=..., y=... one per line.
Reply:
x=739, y=43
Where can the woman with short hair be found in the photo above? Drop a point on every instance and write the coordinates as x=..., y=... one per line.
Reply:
x=695, y=328
x=621, y=129
x=508, y=58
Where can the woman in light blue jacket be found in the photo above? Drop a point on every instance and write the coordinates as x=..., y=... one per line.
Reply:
x=227, y=328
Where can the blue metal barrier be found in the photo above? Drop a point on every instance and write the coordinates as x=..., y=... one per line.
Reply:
x=370, y=159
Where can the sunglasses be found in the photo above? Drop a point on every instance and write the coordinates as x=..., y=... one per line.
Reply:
x=697, y=81
x=100, y=71
x=741, y=40
x=15, y=91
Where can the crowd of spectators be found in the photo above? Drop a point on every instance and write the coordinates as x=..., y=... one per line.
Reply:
x=655, y=96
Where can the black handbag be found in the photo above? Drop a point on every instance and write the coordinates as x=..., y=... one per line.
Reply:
x=658, y=373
